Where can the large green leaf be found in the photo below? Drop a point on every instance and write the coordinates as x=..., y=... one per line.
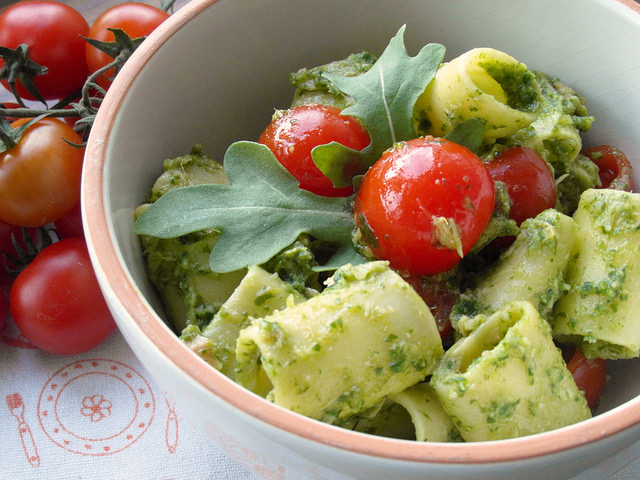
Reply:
x=384, y=98
x=262, y=211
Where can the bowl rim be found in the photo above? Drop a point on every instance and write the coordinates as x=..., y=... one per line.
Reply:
x=120, y=287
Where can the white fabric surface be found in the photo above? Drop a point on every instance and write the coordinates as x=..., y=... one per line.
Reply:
x=96, y=416
x=100, y=416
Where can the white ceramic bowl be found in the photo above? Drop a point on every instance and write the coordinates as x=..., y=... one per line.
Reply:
x=213, y=74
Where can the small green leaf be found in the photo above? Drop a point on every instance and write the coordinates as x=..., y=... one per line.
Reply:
x=384, y=98
x=469, y=133
x=262, y=211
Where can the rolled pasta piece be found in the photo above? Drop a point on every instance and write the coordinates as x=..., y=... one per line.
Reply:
x=601, y=311
x=413, y=414
x=430, y=421
x=507, y=379
x=260, y=293
x=483, y=83
x=532, y=269
x=368, y=335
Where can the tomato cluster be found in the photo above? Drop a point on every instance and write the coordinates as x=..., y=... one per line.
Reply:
x=55, y=299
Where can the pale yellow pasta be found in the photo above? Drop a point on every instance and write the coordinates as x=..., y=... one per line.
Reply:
x=508, y=379
x=430, y=421
x=260, y=293
x=483, y=83
x=601, y=311
x=367, y=336
x=413, y=414
x=532, y=269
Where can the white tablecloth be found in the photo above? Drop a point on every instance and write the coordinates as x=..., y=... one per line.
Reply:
x=96, y=416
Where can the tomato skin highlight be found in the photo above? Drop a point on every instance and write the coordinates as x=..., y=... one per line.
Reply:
x=589, y=374
x=530, y=182
x=40, y=176
x=53, y=31
x=292, y=136
x=413, y=189
x=135, y=19
x=56, y=301
x=614, y=168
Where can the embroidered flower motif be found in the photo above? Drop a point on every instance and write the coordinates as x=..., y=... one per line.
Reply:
x=96, y=407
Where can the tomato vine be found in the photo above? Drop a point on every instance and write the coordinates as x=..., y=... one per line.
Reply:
x=20, y=72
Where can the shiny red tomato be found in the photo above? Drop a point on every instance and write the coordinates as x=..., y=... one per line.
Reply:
x=135, y=19
x=589, y=374
x=40, y=176
x=614, y=168
x=53, y=31
x=292, y=136
x=529, y=180
x=424, y=204
x=56, y=301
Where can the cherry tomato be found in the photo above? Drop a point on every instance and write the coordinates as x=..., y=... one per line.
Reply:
x=4, y=308
x=135, y=19
x=70, y=224
x=424, y=204
x=613, y=167
x=589, y=374
x=439, y=297
x=292, y=136
x=529, y=180
x=56, y=301
x=53, y=31
x=40, y=176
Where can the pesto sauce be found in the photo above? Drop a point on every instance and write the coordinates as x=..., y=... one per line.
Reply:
x=312, y=86
x=519, y=84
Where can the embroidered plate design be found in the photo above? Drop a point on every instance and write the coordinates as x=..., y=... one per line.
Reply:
x=96, y=407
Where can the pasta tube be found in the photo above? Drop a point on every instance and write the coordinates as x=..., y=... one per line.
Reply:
x=430, y=421
x=413, y=414
x=259, y=294
x=483, y=83
x=601, y=311
x=507, y=379
x=367, y=336
x=532, y=269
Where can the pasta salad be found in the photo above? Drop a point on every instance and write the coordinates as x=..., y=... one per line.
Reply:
x=414, y=248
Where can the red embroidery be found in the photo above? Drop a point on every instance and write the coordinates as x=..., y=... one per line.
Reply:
x=99, y=425
x=16, y=406
x=96, y=407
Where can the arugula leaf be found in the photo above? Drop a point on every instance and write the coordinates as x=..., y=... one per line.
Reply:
x=384, y=98
x=261, y=212
x=469, y=133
